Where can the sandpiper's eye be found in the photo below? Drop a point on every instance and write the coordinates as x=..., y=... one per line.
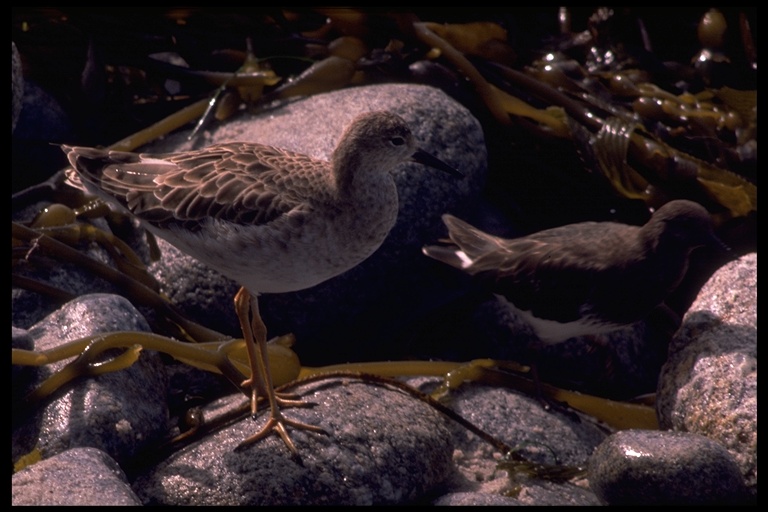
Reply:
x=397, y=141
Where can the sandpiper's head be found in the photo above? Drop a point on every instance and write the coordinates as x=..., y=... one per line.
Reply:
x=384, y=140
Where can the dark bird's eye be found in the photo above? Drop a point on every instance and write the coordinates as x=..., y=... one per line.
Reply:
x=397, y=141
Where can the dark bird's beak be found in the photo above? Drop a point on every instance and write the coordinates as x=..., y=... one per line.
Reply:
x=718, y=244
x=425, y=158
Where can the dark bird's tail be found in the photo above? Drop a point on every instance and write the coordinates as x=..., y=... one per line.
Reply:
x=467, y=244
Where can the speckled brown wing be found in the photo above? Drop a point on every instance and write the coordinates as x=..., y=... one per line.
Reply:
x=234, y=182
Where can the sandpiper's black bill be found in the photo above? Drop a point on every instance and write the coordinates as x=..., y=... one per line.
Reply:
x=425, y=158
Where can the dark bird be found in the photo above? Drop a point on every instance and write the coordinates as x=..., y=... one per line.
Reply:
x=585, y=278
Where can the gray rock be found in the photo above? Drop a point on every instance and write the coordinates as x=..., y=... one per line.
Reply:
x=42, y=120
x=552, y=439
x=76, y=477
x=42, y=117
x=542, y=436
x=557, y=494
x=455, y=499
x=381, y=447
x=540, y=494
x=643, y=467
x=120, y=412
x=709, y=384
x=17, y=85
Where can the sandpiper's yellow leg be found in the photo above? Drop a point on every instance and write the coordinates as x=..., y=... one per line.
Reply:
x=255, y=335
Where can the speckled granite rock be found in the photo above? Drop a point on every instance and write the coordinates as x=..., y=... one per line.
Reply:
x=75, y=477
x=643, y=467
x=17, y=85
x=120, y=412
x=381, y=447
x=709, y=384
